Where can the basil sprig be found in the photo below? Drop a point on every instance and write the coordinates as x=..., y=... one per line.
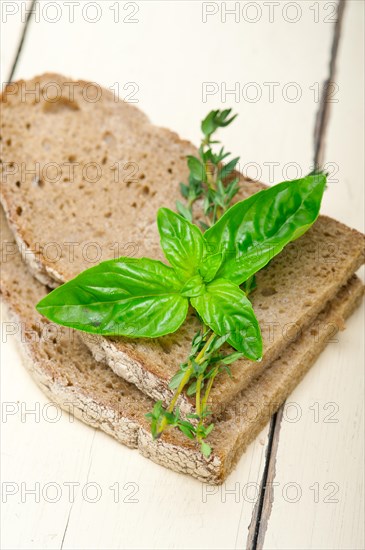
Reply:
x=146, y=298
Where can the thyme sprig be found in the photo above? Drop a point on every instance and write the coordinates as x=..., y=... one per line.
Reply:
x=210, y=181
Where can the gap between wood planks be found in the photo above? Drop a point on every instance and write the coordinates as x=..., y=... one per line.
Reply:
x=263, y=506
x=22, y=38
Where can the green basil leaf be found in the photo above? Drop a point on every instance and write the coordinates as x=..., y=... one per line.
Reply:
x=253, y=231
x=210, y=266
x=227, y=310
x=182, y=242
x=135, y=297
x=193, y=287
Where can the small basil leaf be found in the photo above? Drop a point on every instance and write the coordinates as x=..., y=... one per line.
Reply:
x=227, y=310
x=124, y=297
x=253, y=231
x=210, y=266
x=193, y=287
x=182, y=242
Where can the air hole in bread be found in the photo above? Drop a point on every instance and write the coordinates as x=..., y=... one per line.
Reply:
x=134, y=205
x=142, y=176
x=145, y=190
x=36, y=329
x=104, y=161
x=60, y=106
x=27, y=126
x=17, y=183
x=19, y=210
x=71, y=158
x=107, y=215
x=8, y=142
x=169, y=170
x=269, y=291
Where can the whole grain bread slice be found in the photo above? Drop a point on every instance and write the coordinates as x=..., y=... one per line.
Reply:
x=65, y=370
x=63, y=227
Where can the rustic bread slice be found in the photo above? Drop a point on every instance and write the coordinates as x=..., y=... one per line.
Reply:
x=291, y=290
x=100, y=172
x=64, y=369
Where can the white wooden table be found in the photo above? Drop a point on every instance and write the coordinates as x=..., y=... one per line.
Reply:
x=300, y=484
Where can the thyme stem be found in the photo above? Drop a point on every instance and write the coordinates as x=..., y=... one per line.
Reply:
x=185, y=379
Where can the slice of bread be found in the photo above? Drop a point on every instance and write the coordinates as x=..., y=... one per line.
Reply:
x=82, y=180
x=65, y=370
x=60, y=225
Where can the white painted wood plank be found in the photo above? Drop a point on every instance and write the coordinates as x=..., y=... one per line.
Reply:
x=12, y=20
x=169, y=53
x=323, y=452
